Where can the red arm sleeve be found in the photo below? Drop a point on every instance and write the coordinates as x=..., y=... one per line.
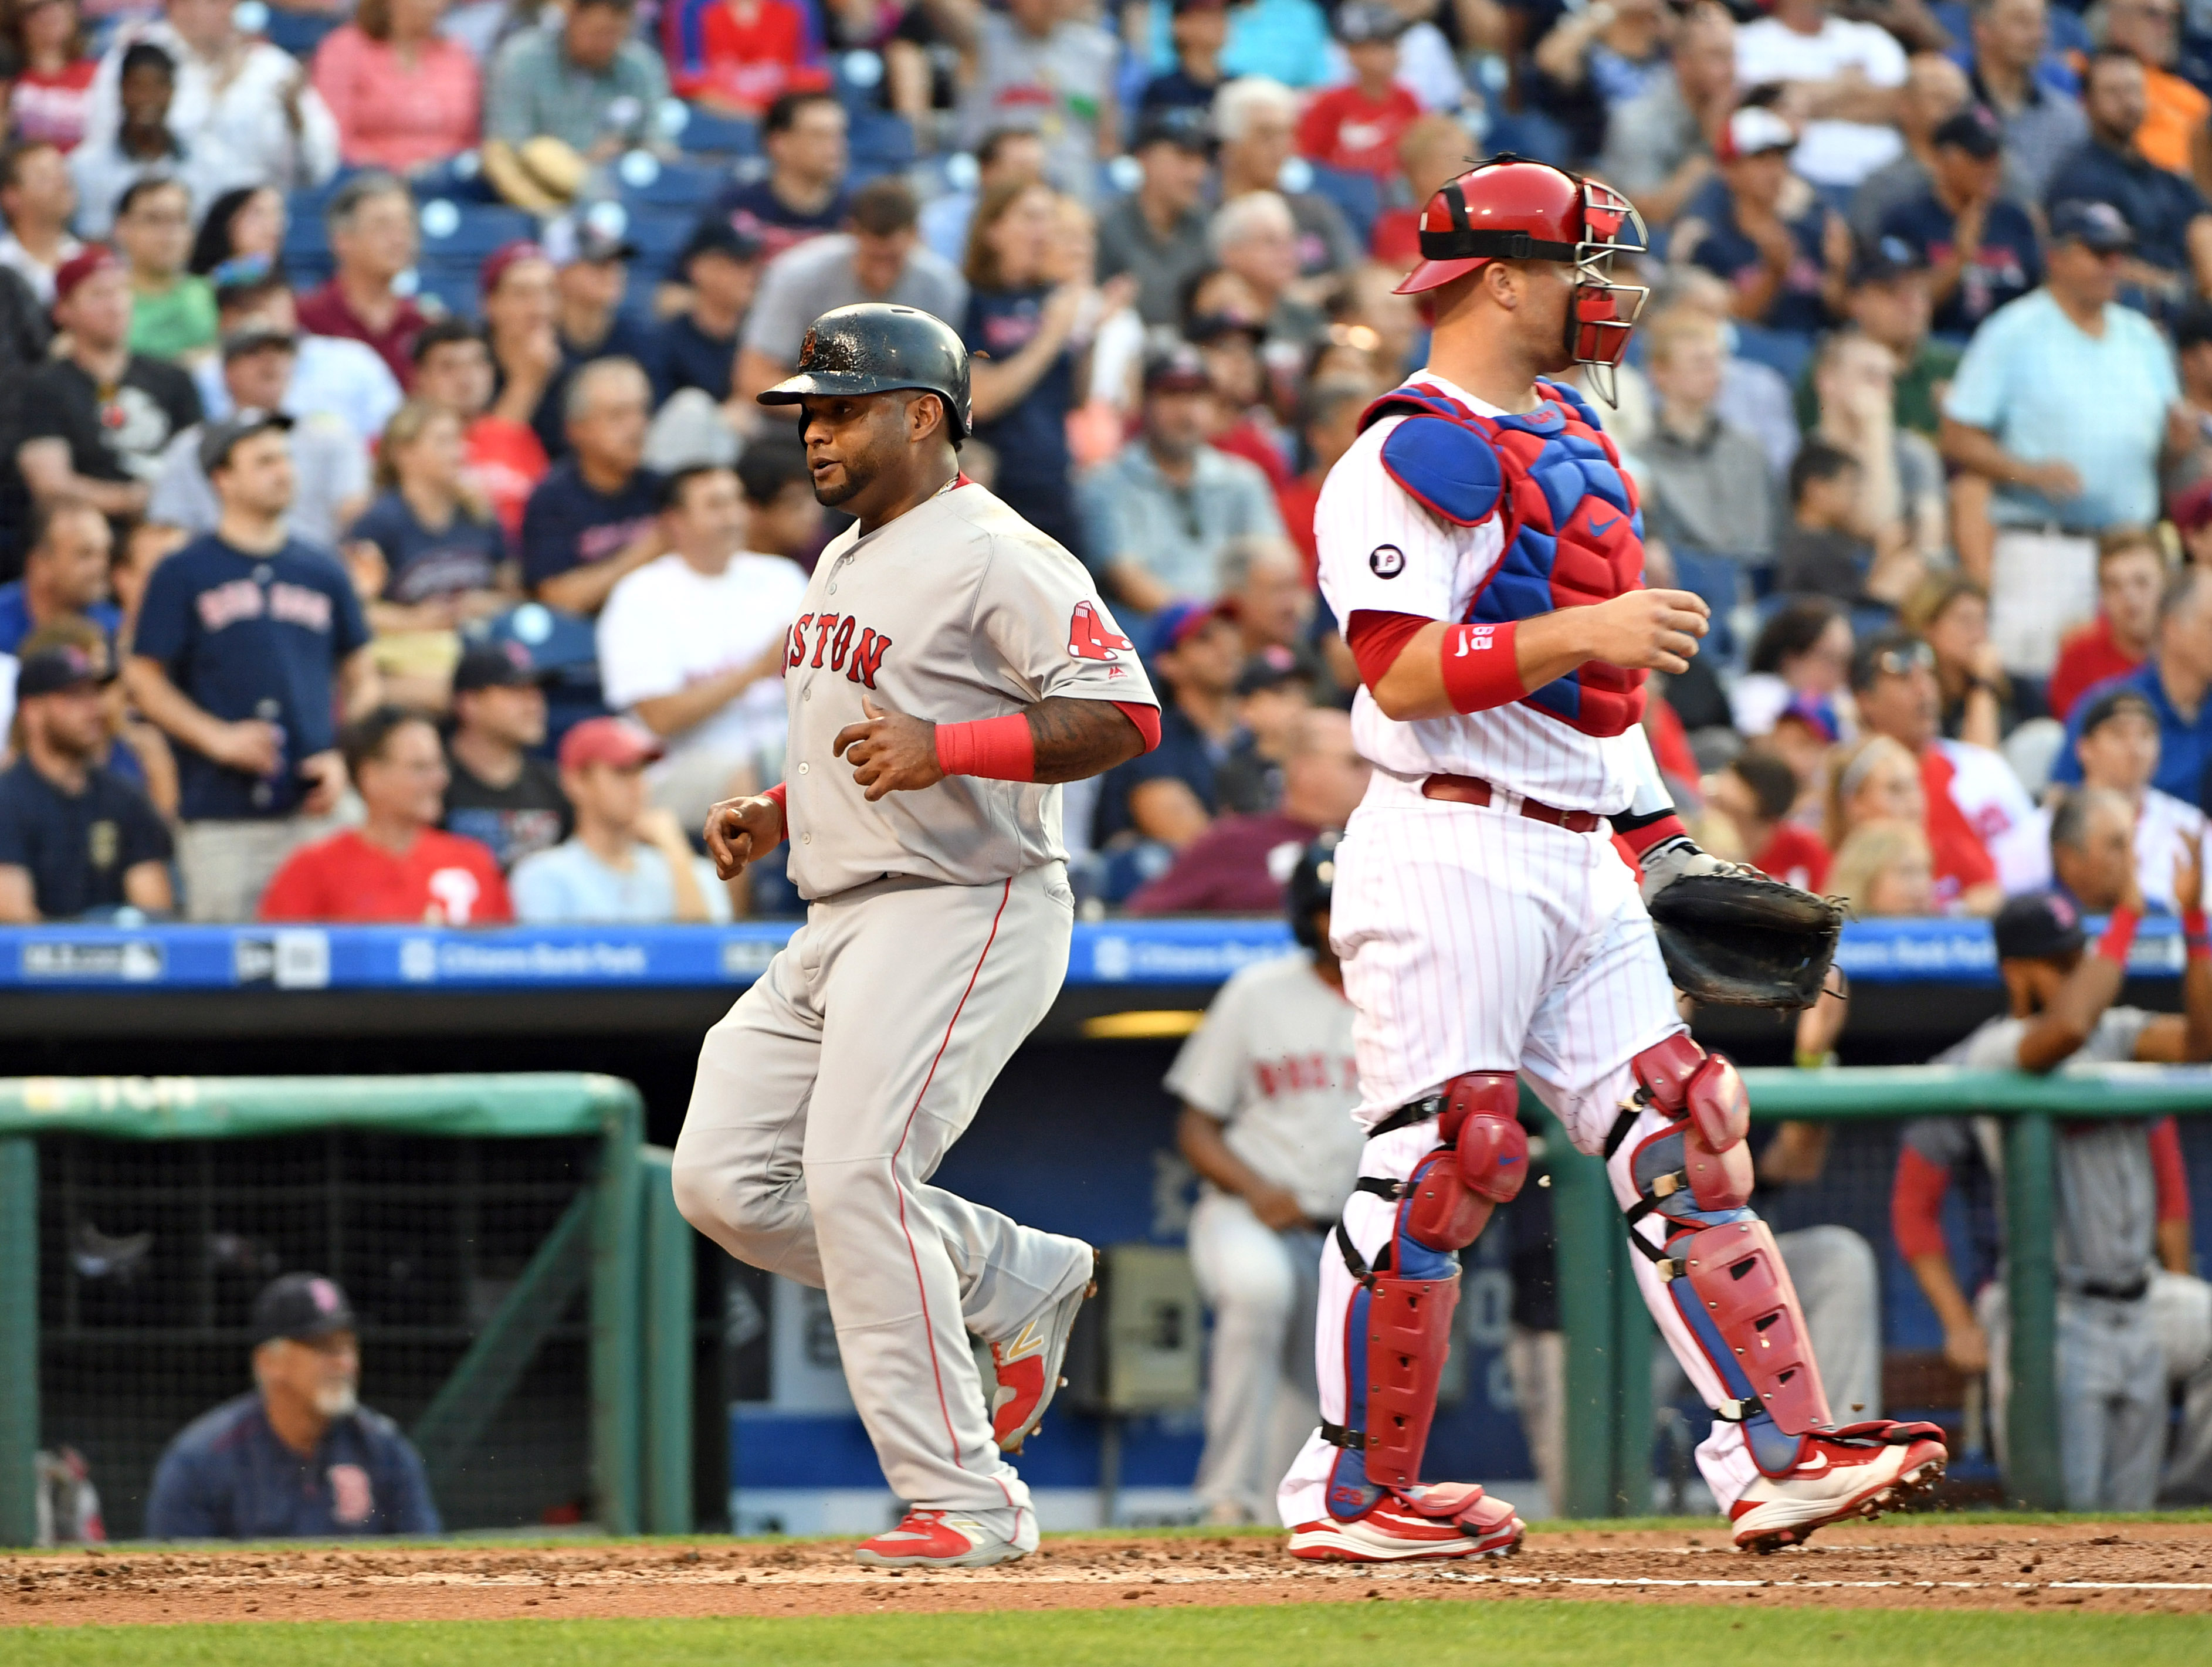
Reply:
x=1146, y=718
x=2170, y=1173
x=1916, y=1206
x=1377, y=639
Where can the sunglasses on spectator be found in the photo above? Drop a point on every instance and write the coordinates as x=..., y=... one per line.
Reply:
x=1903, y=662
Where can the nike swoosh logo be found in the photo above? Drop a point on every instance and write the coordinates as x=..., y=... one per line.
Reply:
x=1818, y=1461
x=1597, y=531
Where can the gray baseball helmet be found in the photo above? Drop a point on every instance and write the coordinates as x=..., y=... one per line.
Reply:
x=874, y=347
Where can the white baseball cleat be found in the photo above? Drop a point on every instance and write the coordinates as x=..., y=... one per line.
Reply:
x=1833, y=1479
x=1028, y=1363
x=948, y=1539
x=1445, y=1520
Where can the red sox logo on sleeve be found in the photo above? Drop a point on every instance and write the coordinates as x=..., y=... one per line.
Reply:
x=1093, y=637
x=842, y=643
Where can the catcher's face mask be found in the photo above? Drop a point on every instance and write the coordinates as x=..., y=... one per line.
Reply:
x=1602, y=310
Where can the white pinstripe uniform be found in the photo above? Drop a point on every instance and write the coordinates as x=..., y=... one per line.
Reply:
x=1476, y=939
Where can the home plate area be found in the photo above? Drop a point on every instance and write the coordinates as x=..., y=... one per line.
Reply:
x=1924, y=1563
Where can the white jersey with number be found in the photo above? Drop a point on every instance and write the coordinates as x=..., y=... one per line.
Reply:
x=1383, y=552
x=1272, y=1063
x=957, y=610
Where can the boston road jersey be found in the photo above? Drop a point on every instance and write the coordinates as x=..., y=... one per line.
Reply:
x=1381, y=551
x=1272, y=1063
x=957, y=610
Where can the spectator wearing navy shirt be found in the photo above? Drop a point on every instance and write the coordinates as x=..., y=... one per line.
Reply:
x=698, y=347
x=803, y=194
x=2176, y=683
x=65, y=572
x=1168, y=796
x=297, y=1456
x=1761, y=230
x=442, y=556
x=590, y=276
x=596, y=516
x=1199, y=29
x=248, y=644
x=1020, y=325
x=500, y=792
x=74, y=837
x=1979, y=246
x=2169, y=217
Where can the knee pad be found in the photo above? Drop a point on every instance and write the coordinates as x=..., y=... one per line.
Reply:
x=1480, y=1162
x=1703, y=1093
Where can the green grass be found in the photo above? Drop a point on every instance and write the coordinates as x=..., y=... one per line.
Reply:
x=1526, y=1634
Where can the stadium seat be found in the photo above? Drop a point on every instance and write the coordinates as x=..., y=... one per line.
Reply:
x=455, y=230
x=450, y=280
x=647, y=181
x=881, y=142
x=1785, y=351
x=1719, y=580
x=709, y=134
x=1358, y=196
x=459, y=180
x=298, y=33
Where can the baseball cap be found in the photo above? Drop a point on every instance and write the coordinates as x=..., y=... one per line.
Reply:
x=2038, y=926
x=496, y=665
x=50, y=671
x=716, y=236
x=607, y=741
x=253, y=337
x=217, y=439
x=496, y=264
x=302, y=1307
x=1184, y=128
x=1889, y=653
x=578, y=239
x=1359, y=21
x=1973, y=131
x=1275, y=666
x=1816, y=712
x=2109, y=705
x=2097, y=226
x=1753, y=130
x=1885, y=260
x=1177, y=623
x=1176, y=369
x=87, y=262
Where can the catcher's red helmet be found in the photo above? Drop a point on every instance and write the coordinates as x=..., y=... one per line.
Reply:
x=1512, y=209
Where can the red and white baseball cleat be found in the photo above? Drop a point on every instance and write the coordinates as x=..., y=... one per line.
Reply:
x=1846, y=1474
x=1445, y=1520
x=1028, y=1363
x=948, y=1539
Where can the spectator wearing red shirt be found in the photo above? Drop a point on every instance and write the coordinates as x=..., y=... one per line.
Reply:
x=53, y=91
x=1356, y=128
x=1431, y=151
x=1239, y=865
x=370, y=223
x=506, y=460
x=1755, y=793
x=398, y=865
x=2131, y=574
x=750, y=54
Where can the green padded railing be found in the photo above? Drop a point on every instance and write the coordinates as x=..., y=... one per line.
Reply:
x=1609, y=1334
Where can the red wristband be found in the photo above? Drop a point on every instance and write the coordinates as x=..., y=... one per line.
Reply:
x=2196, y=936
x=781, y=793
x=1480, y=670
x=1000, y=749
x=2119, y=935
x=1642, y=837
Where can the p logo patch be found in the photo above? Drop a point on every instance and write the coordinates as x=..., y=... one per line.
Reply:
x=1091, y=635
x=1386, y=561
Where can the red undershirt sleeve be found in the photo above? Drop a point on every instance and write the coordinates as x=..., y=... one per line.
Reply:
x=1916, y=1206
x=2169, y=1174
x=1146, y=718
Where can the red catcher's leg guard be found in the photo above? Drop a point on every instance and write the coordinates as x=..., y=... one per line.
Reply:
x=1736, y=1272
x=1686, y=1082
x=1452, y=1200
x=1409, y=1324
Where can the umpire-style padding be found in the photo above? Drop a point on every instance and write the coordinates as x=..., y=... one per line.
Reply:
x=875, y=346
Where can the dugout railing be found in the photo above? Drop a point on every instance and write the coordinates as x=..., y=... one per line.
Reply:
x=1608, y=1332
x=606, y=1232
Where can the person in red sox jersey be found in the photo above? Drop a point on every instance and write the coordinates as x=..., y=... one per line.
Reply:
x=1485, y=553
x=948, y=666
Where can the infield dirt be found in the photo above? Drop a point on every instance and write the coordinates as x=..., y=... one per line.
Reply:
x=1906, y=1563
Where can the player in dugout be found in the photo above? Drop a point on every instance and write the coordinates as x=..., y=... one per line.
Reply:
x=2132, y=1316
x=296, y=1457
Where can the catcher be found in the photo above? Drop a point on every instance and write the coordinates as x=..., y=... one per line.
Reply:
x=1484, y=553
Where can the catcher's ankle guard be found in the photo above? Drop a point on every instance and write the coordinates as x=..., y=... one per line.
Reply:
x=1398, y=1329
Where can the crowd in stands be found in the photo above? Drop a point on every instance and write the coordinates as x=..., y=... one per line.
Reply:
x=378, y=439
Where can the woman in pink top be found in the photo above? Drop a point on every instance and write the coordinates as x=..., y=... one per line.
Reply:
x=404, y=96
x=54, y=86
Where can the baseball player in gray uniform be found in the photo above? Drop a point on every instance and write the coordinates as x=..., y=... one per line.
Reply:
x=1268, y=1085
x=950, y=667
x=2132, y=1317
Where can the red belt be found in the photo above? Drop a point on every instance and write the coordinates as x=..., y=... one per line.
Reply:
x=1473, y=790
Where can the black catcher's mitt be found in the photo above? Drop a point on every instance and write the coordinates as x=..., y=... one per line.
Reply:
x=1738, y=938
